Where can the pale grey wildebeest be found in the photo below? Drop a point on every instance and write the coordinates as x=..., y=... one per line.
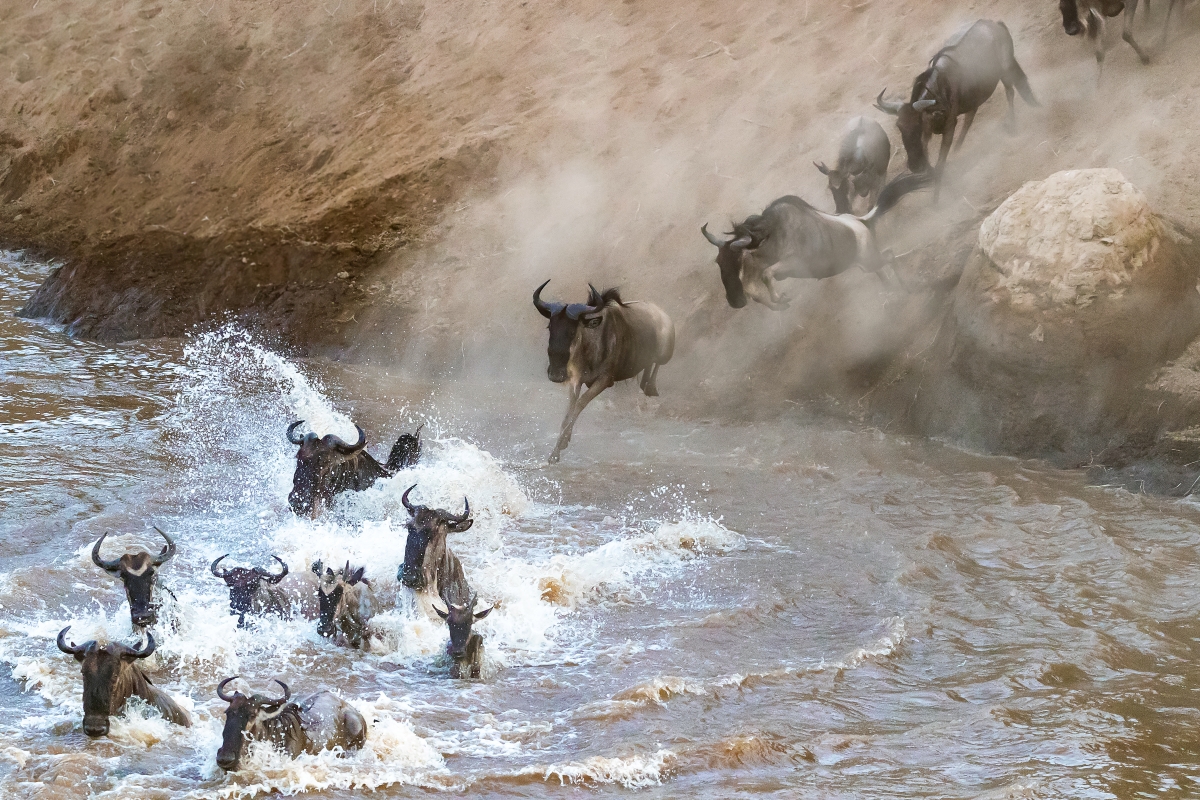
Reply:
x=600, y=342
x=347, y=603
x=112, y=675
x=862, y=165
x=960, y=78
x=1078, y=14
x=791, y=239
x=321, y=721
x=139, y=573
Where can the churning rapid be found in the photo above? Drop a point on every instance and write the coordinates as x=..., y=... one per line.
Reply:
x=684, y=609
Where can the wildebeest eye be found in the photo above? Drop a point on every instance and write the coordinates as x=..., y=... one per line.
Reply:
x=591, y=322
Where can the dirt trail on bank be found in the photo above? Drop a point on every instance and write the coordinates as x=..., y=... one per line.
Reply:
x=191, y=159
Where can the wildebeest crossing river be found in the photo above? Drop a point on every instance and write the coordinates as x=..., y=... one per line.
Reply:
x=687, y=609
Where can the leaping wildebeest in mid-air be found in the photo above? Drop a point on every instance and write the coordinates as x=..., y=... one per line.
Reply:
x=322, y=721
x=139, y=573
x=326, y=466
x=791, y=239
x=862, y=165
x=600, y=342
x=111, y=675
x=960, y=78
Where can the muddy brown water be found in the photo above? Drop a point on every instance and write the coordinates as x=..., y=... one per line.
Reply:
x=687, y=608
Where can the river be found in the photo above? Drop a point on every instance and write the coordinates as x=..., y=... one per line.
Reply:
x=687, y=608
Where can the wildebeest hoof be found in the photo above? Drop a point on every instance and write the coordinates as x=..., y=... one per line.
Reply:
x=650, y=391
x=553, y=458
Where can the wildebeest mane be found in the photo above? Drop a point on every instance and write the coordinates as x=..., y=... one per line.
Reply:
x=598, y=299
x=132, y=681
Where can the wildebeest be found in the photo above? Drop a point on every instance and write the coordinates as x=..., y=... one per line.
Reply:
x=465, y=647
x=346, y=602
x=252, y=590
x=429, y=565
x=601, y=342
x=862, y=165
x=791, y=239
x=327, y=466
x=139, y=573
x=960, y=78
x=322, y=721
x=111, y=675
x=1078, y=14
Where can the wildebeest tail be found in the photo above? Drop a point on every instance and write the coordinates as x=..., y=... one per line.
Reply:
x=891, y=194
x=1017, y=75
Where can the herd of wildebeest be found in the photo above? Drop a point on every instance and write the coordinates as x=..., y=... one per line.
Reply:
x=592, y=345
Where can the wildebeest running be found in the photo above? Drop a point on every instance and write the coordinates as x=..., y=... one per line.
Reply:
x=862, y=165
x=327, y=466
x=252, y=590
x=322, y=721
x=960, y=78
x=429, y=565
x=1078, y=14
x=347, y=604
x=465, y=647
x=601, y=342
x=791, y=239
x=139, y=573
x=111, y=675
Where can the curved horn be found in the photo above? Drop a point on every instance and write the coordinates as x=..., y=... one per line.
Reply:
x=888, y=106
x=213, y=567
x=168, y=552
x=466, y=513
x=221, y=688
x=272, y=577
x=110, y=566
x=924, y=105
x=287, y=695
x=544, y=308
x=291, y=429
x=69, y=649
x=713, y=240
x=351, y=449
x=404, y=499
x=740, y=243
x=820, y=165
x=147, y=649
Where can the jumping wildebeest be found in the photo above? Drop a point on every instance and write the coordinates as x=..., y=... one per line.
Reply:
x=322, y=721
x=600, y=343
x=346, y=601
x=252, y=590
x=862, y=165
x=960, y=78
x=465, y=648
x=111, y=675
x=791, y=239
x=139, y=573
x=429, y=565
x=327, y=466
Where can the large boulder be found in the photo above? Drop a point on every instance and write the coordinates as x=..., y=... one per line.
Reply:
x=1075, y=294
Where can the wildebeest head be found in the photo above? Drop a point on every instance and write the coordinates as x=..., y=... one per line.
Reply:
x=108, y=677
x=564, y=322
x=1070, y=14
x=316, y=460
x=729, y=258
x=459, y=619
x=244, y=582
x=138, y=571
x=839, y=185
x=331, y=594
x=424, y=526
x=911, y=119
x=243, y=716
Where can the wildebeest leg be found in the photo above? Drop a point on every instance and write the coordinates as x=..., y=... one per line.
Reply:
x=649, y=375
x=578, y=404
x=970, y=117
x=947, y=140
x=1095, y=32
x=1127, y=31
x=1166, y=23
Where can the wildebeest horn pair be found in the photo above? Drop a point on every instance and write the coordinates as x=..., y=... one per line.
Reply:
x=734, y=244
x=269, y=702
x=76, y=650
x=548, y=310
x=460, y=518
x=339, y=443
x=270, y=577
x=167, y=553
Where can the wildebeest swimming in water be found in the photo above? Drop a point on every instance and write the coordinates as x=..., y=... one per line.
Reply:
x=465, y=647
x=429, y=565
x=862, y=165
x=960, y=78
x=327, y=466
x=322, y=721
x=346, y=606
x=600, y=342
x=111, y=675
x=1077, y=13
x=253, y=590
x=791, y=239
x=139, y=573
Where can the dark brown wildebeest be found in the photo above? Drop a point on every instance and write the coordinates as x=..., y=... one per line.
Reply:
x=252, y=590
x=465, y=647
x=1078, y=14
x=429, y=565
x=862, y=165
x=600, y=343
x=960, y=78
x=346, y=601
x=322, y=721
x=327, y=466
x=791, y=239
x=111, y=675
x=139, y=573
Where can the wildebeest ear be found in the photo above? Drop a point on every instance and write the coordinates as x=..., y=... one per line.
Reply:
x=484, y=613
x=440, y=613
x=459, y=527
x=924, y=105
x=356, y=576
